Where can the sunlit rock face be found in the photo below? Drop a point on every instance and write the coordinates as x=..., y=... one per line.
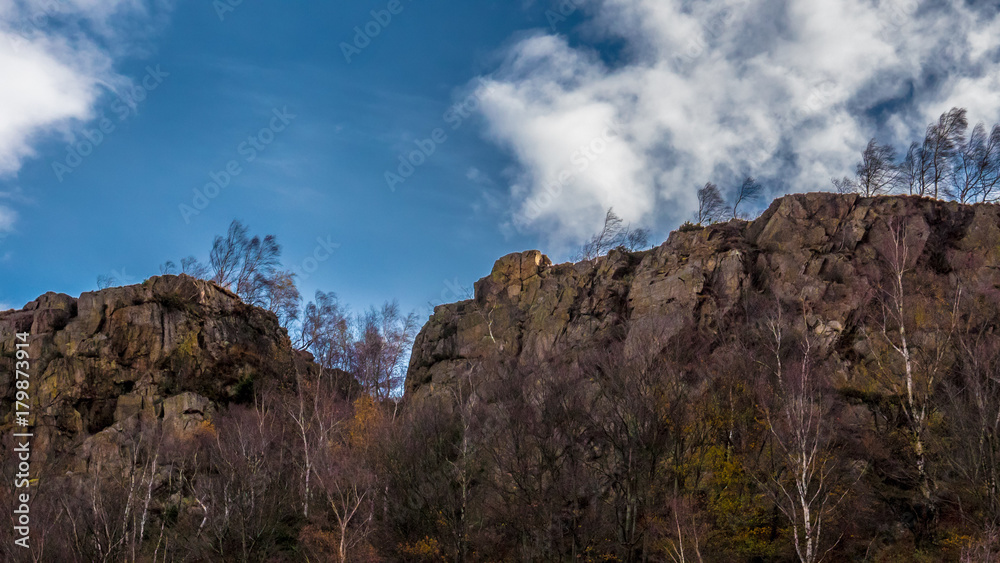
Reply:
x=158, y=357
x=824, y=252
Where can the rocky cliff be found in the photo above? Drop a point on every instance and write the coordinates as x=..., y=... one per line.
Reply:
x=824, y=252
x=161, y=354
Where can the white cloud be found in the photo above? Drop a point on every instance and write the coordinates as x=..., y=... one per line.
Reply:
x=57, y=58
x=7, y=218
x=787, y=90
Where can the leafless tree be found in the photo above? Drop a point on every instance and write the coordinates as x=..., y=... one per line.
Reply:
x=614, y=234
x=280, y=296
x=711, y=206
x=877, y=173
x=845, y=185
x=379, y=351
x=245, y=495
x=943, y=139
x=907, y=373
x=644, y=421
x=749, y=190
x=109, y=519
x=344, y=475
x=193, y=267
x=326, y=331
x=317, y=412
x=974, y=418
x=244, y=264
x=976, y=166
x=915, y=171
x=804, y=485
x=249, y=267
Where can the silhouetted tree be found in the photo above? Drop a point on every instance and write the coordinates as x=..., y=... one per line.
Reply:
x=378, y=358
x=711, y=206
x=942, y=141
x=976, y=167
x=614, y=234
x=915, y=171
x=749, y=190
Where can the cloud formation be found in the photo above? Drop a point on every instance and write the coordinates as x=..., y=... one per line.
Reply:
x=7, y=218
x=789, y=91
x=58, y=59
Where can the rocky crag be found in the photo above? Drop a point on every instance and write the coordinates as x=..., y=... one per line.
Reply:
x=824, y=252
x=162, y=354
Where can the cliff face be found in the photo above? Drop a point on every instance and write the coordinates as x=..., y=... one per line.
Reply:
x=825, y=252
x=161, y=354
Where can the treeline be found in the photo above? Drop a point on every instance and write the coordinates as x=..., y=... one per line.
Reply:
x=951, y=162
x=946, y=164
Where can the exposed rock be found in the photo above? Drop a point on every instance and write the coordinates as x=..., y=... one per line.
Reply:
x=820, y=250
x=161, y=354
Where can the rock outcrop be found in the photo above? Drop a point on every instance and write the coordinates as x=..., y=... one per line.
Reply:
x=163, y=354
x=825, y=252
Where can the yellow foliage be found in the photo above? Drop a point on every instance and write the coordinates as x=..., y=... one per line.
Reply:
x=367, y=417
x=426, y=549
x=205, y=429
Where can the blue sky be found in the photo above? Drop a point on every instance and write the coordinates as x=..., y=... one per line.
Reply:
x=117, y=213
x=625, y=103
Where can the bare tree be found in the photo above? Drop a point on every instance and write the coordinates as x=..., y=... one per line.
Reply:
x=280, y=296
x=194, y=268
x=804, y=486
x=344, y=476
x=974, y=419
x=976, y=166
x=614, y=234
x=248, y=266
x=326, y=332
x=226, y=254
x=908, y=373
x=379, y=353
x=245, y=497
x=943, y=139
x=844, y=185
x=915, y=171
x=190, y=266
x=877, y=173
x=711, y=206
x=749, y=190
x=244, y=264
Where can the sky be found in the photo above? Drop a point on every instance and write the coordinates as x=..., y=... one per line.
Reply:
x=397, y=148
